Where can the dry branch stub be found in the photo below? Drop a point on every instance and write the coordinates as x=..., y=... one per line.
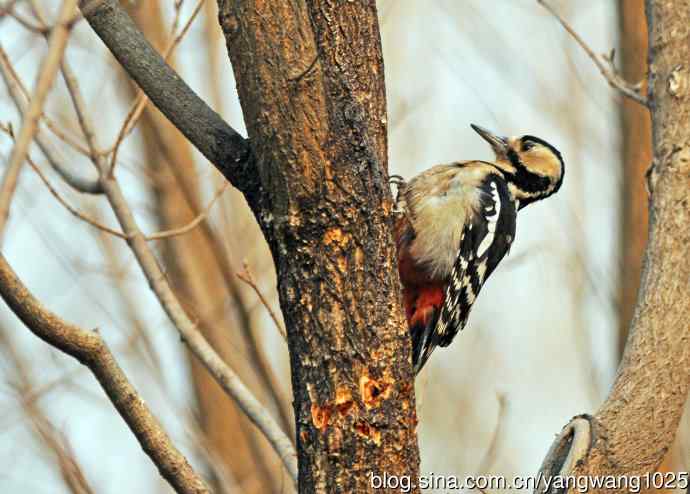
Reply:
x=569, y=448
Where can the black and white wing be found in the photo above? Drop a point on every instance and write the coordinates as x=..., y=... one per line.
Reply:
x=484, y=241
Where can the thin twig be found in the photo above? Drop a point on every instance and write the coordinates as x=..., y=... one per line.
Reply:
x=158, y=282
x=75, y=94
x=15, y=87
x=192, y=224
x=70, y=469
x=139, y=341
x=69, y=207
x=154, y=236
x=26, y=23
x=90, y=349
x=255, y=352
x=199, y=346
x=46, y=76
x=55, y=128
x=111, y=23
x=44, y=29
x=247, y=277
x=632, y=91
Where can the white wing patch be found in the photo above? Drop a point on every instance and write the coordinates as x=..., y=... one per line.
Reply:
x=481, y=271
x=491, y=222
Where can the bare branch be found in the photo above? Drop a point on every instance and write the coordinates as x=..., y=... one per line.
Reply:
x=14, y=87
x=199, y=346
x=192, y=224
x=247, y=277
x=197, y=343
x=141, y=100
x=211, y=135
x=634, y=92
x=30, y=26
x=69, y=207
x=632, y=431
x=227, y=271
x=96, y=224
x=90, y=349
x=70, y=469
x=44, y=81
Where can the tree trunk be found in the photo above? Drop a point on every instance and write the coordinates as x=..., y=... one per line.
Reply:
x=310, y=81
x=636, y=425
x=637, y=156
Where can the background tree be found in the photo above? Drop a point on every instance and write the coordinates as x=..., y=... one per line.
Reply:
x=636, y=126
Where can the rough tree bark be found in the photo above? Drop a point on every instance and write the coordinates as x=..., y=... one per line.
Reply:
x=636, y=425
x=310, y=81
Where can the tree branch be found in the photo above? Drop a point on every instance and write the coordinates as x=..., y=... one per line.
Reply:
x=44, y=81
x=46, y=433
x=248, y=278
x=90, y=349
x=196, y=341
x=199, y=346
x=141, y=100
x=610, y=74
x=78, y=183
x=205, y=129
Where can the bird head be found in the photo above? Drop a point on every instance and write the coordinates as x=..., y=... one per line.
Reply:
x=532, y=167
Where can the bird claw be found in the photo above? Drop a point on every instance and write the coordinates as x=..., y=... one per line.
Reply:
x=400, y=206
x=396, y=180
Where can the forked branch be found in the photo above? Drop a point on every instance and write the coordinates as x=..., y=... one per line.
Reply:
x=226, y=149
x=607, y=69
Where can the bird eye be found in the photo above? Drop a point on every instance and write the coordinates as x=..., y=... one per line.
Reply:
x=526, y=146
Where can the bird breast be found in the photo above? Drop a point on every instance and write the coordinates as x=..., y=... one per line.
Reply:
x=439, y=207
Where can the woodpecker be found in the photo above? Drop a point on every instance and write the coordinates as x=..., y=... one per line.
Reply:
x=455, y=222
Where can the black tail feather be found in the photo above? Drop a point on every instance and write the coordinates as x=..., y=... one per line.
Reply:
x=424, y=341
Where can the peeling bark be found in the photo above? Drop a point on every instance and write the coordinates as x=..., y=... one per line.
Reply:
x=310, y=80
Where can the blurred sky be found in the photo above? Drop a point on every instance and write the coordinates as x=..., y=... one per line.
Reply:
x=541, y=336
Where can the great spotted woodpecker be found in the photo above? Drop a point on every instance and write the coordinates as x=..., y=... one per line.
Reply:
x=455, y=223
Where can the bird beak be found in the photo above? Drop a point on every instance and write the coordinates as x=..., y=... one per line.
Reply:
x=499, y=144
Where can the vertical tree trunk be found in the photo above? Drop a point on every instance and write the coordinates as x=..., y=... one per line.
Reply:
x=634, y=428
x=310, y=80
x=636, y=127
x=636, y=154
